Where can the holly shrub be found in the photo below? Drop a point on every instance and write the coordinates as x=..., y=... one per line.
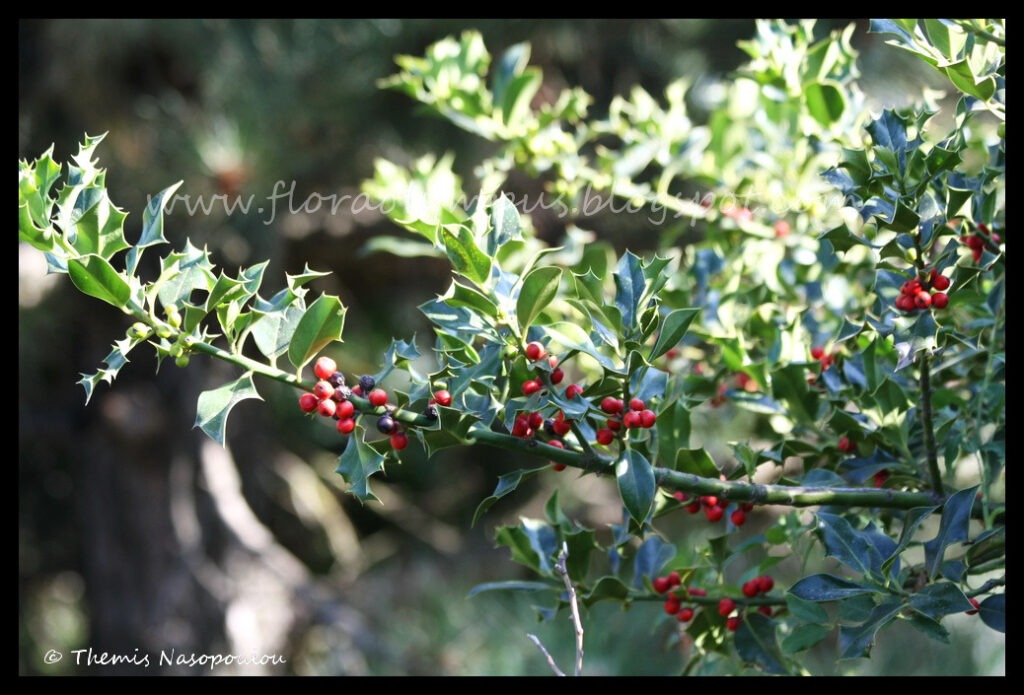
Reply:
x=830, y=279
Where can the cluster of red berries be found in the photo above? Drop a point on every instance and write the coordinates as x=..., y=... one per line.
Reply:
x=637, y=416
x=331, y=398
x=825, y=358
x=976, y=242
x=914, y=293
x=847, y=445
x=726, y=606
x=713, y=509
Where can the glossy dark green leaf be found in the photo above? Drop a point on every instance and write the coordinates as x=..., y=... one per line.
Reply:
x=756, y=644
x=929, y=627
x=630, y=285
x=635, y=477
x=540, y=287
x=607, y=588
x=857, y=640
x=581, y=545
x=215, y=405
x=512, y=586
x=673, y=328
x=696, y=461
x=993, y=612
x=673, y=425
x=533, y=543
x=273, y=331
x=953, y=528
x=505, y=224
x=94, y=276
x=804, y=637
x=825, y=102
x=321, y=325
x=826, y=587
x=807, y=611
x=911, y=521
x=853, y=548
x=466, y=257
x=98, y=224
x=356, y=464
x=937, y=600
x=506, y=484
x=152, y=226
x=651, y=557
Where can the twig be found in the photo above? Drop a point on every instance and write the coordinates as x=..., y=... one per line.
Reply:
x=551, y=661
x=573, y=605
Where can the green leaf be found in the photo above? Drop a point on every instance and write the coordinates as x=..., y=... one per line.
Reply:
x=321, y=325
x=533, y=543
x=825, y=102
x=630, y=285
x=929, y=627
x=826, y=587
x=506, y=484
x=273, y=331
x=961, y=75
x=635, y=477
x=152, y=226
x=94, y=276
x=515, y=104
x=937, y=600
x=356, y=464
x=652, y=555
x=465, y=256
x=215, y=405
x=911, y=521
x=807, y=611
x=607, y=588
x=993, y=612
x=512, y=586
x=756, y=644
x=34, y=184
x=853, y=548
x=98, y=224
x=117, y=358
x=505, y=224
x=581, y=545
x=804, y=637
x=540, y=287
x=856, y=641
x=673, y=431
x=956, y=517
x=673, y=328
x=697, y=462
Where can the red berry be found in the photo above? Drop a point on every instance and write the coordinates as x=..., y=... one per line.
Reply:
x=661, y=584
x=636, y=404
x=357, y=390
x=553, y=361
x=573, y=390
x=747, y=506
x=738, y=517
x=307, y=402
x=345, y=409
x=561, y=426
x=880, y=477
x=557, y=375
x=558, y=466
x=766, y=584
x=632, y=419
x=536, y=420
x=521, y=426
x=611, y=405
x=685, y=615
x=940, y=300
x=647, y=418
x=443, y=397
x=922, y=300
x=709, y=501
x=782, y=229
x=325, y=367
x=940, y=282
x=672, y=605
x=911, y=288
x=535, y=351
x=765, y=610
x=733, y=623
x=346, y=425
x=680, y=496
x=693, y=507
x=751, y=588
x=726, y=606
x=532, y=386
x=694, y=591
x=323, y=389
x=377, y=397
x=327, y=407
x=905, y=303
x=557, y=443
x=714, y=513
x=975, y=242
x=674, y=579
x=399, y=441
x=976, y=604
x=817, y=352
x=613, y=424
x=605, y=436
x=846, y=445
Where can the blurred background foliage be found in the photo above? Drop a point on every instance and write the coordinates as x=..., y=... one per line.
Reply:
x=134, y=533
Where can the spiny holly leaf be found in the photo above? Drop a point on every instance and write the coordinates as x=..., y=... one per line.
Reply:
x=505, y=224
x=651, y=557
x=697, y=462
x=506, y=483
x=117, y=358
x=215, y=405
x=186, y=270
x=540, y=287
x=465, y=256
x=95, y=277
x=826, y=587
x=956, y=517
x=607, y=588
x=937, y=600
x=533, y=543
x=321, y=325
x=673, y=328
x=630, y=285
x=756, y=644
x=152, y=226
x=273, y=331
x=356, y=464
x=855, y=549
x=98, y=224
x=635, y=477
x=856, y=641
